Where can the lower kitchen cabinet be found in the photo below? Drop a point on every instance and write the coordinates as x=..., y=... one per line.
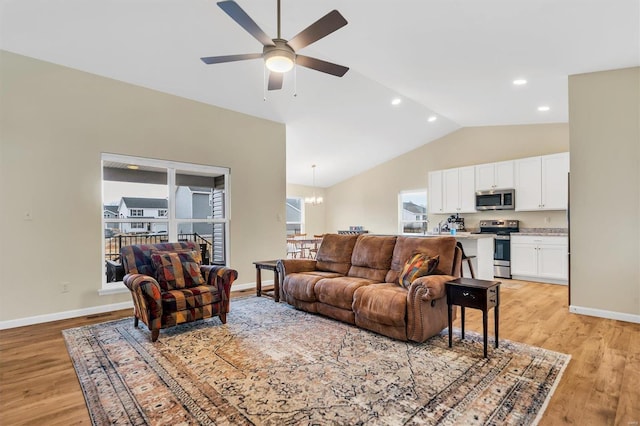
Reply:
x=540, y=258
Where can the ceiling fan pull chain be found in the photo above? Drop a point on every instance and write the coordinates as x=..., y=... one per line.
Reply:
x=264, y=84
x=295, y=78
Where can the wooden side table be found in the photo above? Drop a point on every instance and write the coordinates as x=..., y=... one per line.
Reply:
x=271, y=265
x=477, y=294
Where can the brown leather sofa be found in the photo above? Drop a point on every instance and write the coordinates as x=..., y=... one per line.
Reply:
x=355, y=279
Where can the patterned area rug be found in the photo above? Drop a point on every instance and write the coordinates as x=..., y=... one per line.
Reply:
x=273, y=365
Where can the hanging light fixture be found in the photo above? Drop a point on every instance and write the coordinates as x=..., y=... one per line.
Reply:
x=313, y=200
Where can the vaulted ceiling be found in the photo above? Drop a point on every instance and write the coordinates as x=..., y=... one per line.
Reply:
x=451, y=59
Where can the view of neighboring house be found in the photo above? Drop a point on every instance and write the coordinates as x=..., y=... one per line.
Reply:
x=137, y=208
x=194, y=202
x=413, y=216
x=111, y=212
x=294, y=215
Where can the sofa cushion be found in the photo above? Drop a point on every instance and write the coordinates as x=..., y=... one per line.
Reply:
x=176, y=270
x=334, y=254
x=445, y=247
x=371, y=257
x=416, y=266
x=382, y=304
x=301, y=286
x=339, y=291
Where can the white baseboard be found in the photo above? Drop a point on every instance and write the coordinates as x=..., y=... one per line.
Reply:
x=539, y=279
x=39, y=319
x=250, y=286
x=601, y=313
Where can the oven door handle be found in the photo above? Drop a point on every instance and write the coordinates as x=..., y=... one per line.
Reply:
x=503, y=237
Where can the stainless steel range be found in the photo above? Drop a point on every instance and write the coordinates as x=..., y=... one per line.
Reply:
x=502, y=245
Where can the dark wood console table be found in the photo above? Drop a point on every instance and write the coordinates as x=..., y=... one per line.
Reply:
x=271, y=265
x=477, y=294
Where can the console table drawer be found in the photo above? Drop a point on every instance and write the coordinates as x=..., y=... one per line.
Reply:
x=468, y=297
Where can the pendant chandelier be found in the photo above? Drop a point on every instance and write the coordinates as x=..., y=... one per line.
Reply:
x=313, y=200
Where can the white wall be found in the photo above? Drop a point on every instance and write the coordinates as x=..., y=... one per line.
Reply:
x=55, y=123
x=371, y=198
x=604, y=116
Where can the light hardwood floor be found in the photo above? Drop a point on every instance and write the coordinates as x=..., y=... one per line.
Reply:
x=601, y=385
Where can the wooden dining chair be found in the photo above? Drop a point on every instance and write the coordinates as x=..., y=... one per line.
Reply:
x=313, y=251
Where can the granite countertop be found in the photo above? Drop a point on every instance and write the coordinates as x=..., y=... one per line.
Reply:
x=544, y=232
x=461, y=235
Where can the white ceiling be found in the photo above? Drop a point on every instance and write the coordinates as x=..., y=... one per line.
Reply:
x=452, y=58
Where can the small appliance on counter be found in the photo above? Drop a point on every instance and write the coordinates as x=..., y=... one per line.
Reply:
x=456, y=222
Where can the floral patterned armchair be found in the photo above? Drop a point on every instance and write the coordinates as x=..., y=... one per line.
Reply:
x=169, y=286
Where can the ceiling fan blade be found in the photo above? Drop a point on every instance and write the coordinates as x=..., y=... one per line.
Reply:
x=320, y=65
x=324, y=26
x=240, y=16
x=275, y=80
x=230, y=58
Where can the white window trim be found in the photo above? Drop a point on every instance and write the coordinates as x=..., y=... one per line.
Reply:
x=172, y=222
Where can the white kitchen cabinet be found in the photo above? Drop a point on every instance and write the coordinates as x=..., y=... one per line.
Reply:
x=541, y=183
x=495, y=176
x=539, y=258
x=436, y=205
x=458, y=186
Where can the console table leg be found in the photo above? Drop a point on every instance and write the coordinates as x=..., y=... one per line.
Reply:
x=450, y=324
x=496, y=316
x=484, y=331
x=258, y=281
x=462, y=319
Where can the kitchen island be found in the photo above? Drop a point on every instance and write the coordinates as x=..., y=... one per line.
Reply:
x=479, y=245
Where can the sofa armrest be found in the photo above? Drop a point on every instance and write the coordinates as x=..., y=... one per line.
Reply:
x=427, y=307
x=220, y=277
x=431, y=287
x=143, y=285
x=291, y=266
x=147, y=299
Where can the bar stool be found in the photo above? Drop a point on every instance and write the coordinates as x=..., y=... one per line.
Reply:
x=468, y=259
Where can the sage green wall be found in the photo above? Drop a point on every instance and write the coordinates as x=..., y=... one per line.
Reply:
x=55, y=123
x=371, y=198
x=604, y=113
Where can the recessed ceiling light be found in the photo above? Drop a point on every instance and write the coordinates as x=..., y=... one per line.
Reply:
x=132, y=167
x=519, y=82
x=432, y=118
x=396, y=101
x=543, y=108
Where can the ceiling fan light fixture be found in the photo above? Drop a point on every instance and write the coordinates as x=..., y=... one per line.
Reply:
x=279, y=58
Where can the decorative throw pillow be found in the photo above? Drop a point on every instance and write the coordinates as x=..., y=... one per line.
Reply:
x=418, y=265
x=197, y=254
x=176, y=270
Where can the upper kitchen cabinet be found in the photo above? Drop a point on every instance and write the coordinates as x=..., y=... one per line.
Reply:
x=458, y=187
x=435, y=193
x=495, y=176
x=541, y=183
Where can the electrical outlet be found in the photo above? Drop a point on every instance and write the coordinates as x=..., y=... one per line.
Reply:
x=28, y=215
x=65, y=287
x=547, y=219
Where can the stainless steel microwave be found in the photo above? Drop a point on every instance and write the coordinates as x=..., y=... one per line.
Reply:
x=496, y=199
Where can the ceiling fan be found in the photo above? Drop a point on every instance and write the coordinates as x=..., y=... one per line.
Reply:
x=279, y=54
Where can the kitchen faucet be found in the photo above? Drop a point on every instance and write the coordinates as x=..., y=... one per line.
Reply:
x=440, y=225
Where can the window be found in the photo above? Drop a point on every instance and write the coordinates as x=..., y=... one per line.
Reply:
x=171, y=201
x=295, y=215
x=412, y=212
